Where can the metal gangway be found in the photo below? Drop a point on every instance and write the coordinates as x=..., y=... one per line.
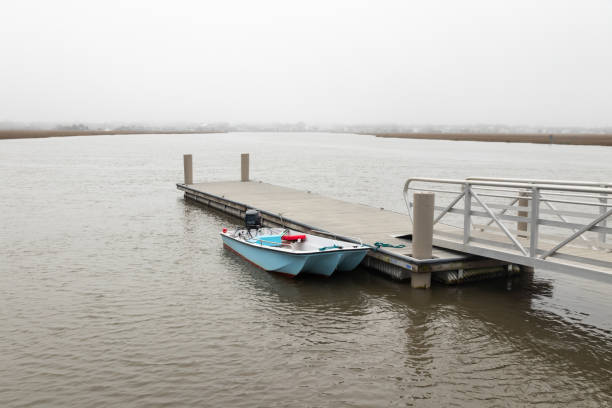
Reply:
x=557, y=225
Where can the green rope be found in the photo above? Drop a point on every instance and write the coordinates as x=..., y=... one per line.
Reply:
x=379, y=245
x=329, y=247
x=376, y=246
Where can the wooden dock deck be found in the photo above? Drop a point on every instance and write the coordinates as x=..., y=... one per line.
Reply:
x=326, y=216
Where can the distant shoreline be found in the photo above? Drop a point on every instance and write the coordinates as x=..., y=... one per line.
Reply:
x=592, y=139
x=35, y=134
x=567, y=139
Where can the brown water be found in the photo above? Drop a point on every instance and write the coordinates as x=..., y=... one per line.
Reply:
x=116, y=292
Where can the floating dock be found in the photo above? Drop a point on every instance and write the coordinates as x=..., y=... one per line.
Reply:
x=491, y=227
x=324, y=216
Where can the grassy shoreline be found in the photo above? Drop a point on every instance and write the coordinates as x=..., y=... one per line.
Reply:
x=567, y=139
x=35, y=134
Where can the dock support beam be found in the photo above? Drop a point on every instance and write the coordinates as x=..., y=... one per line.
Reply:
x=523, y=201
x=422, y=236
x=188, y=166
x=244, y=167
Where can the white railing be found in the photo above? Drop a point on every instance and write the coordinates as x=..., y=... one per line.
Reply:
x=545, y=181
x=603, y=199
x=523, y=221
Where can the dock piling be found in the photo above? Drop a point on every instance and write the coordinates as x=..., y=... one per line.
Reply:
x=244, y=167
x=422, y=235
x=188, y=166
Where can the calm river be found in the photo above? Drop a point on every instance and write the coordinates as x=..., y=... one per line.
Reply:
x=114, y=291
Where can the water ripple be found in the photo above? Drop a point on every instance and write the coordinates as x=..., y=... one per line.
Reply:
x=115, y=292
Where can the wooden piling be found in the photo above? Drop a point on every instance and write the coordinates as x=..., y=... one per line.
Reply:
x=188, y=166
x=422, y=229
x=422, y=235
x=244, y=167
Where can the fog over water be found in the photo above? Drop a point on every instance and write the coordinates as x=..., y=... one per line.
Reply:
x=442, y=62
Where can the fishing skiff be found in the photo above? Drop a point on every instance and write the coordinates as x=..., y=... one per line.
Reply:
x=291, y=252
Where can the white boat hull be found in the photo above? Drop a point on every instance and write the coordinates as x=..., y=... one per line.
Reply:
x=315, y=258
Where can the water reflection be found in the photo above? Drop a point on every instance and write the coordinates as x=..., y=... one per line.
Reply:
x=480, y=333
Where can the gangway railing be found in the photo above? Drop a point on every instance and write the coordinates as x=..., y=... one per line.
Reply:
x=540, y=223
x=545, y=181
x=603, y=199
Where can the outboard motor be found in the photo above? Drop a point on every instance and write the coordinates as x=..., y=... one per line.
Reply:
x=252, y=219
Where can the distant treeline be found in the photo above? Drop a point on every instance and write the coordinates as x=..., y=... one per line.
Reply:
x=569, y=139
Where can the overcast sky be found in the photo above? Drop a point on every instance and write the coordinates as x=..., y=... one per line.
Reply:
x=545, y=62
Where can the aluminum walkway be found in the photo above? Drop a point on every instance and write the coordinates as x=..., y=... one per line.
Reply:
x=558, y=225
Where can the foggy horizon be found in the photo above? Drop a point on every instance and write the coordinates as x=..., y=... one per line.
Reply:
x=353, y=62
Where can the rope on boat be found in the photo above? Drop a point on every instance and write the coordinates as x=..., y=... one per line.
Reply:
x=375, y=247
x=378, y=245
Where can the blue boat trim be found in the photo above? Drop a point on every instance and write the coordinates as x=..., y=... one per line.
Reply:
x=268, y=240
x=229, y=248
